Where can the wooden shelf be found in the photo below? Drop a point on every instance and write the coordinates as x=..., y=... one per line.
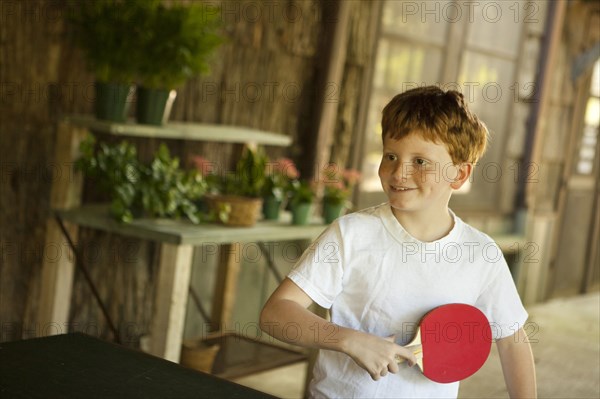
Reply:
x=176, y=238
x=181, y=232
x=183, y=131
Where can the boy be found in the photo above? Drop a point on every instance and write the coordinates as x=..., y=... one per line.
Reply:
x=381, y=269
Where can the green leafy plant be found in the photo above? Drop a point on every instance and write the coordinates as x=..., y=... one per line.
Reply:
x=162, y=46
x=248, y=179
x=117, y=171
x=278, y=177
x=168, y=191
x=338, y=184
x=177, y=44
x=109, y=33
x=300, y=192
x=161, y=189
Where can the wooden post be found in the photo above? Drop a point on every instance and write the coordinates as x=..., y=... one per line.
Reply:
x=225, y=285
x=58, y=265
x=333, y=54
x=171, y=300
x=534, y=140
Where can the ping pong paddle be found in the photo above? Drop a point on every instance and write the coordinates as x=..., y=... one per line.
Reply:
x=452, y=342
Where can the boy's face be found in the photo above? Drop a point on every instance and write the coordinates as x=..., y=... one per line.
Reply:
x=418, y=175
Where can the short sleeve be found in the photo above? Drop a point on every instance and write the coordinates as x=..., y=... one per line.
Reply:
x=319, y=271
x=502, y=305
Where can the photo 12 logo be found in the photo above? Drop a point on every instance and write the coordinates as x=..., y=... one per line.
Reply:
x=470, y=11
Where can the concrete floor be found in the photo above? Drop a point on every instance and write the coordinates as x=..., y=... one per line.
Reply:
x=566, y=347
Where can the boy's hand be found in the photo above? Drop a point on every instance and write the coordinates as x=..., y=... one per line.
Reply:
x=378, y=355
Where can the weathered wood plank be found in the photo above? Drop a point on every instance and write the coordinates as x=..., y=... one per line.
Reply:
x=171, y=299
x=226, y=286
x=58, y=262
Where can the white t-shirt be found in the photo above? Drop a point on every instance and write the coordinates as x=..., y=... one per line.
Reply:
x=376, y=277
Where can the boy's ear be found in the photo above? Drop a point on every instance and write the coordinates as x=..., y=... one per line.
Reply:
x=463, y=173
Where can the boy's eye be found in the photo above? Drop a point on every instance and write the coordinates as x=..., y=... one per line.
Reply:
x=390, y=157
x=421, y=162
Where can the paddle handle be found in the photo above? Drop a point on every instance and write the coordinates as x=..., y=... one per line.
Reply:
x=416, y=347
x=417, y=351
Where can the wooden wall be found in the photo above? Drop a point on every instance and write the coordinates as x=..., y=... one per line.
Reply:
x=263, y=77
x=40, y=77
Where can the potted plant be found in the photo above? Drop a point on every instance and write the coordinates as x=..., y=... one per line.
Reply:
x=161, y=189
x=108, y=34
x=338, y=187
x=279, y=174
x=301, y=196
x=236, y=197
x=166, y=190
x=176, y=46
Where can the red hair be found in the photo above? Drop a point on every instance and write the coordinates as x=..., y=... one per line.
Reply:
x=438, y=116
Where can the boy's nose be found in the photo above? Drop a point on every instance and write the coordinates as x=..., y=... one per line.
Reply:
x=403, y=171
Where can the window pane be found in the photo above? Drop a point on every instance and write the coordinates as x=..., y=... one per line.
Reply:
x=592, y=112
x=595, y=86
x=410, y=65
x=425, y=21
x=486, y=84
x=496, y=25
x=589, y=139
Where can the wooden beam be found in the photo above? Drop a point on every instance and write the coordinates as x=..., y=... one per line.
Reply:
x=58, y=266
x=536, y=124
x=317, y=151
x=170, y=301
x=226, y=286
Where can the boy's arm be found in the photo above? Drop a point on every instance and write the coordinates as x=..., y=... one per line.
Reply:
x=285, y=316
x=517, y=365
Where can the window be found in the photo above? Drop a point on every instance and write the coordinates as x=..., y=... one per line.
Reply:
x=472, y=47
x=587, y=147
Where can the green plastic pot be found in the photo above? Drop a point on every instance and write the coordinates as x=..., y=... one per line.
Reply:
x=112, y=101
x=331, y=211
x=271, y=208
x=300, y=213
x=154, y=105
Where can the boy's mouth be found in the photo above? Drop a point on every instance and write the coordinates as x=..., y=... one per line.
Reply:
x=399, y=189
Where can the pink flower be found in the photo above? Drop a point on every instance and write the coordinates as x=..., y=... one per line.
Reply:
x=338, y=182
x=352, y=176
x=203, y=165
x=285, y=167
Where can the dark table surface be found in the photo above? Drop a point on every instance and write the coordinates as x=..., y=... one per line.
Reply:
x=80, y=366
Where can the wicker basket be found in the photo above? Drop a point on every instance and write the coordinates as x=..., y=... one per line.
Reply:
x=198, y=355
x=243, y=211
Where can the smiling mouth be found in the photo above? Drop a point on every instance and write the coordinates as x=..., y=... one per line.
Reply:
x=400, y=189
